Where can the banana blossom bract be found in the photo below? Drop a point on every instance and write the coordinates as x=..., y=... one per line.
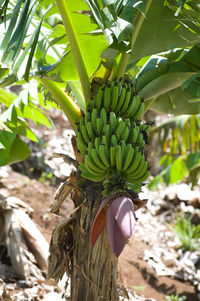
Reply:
x=119, y=219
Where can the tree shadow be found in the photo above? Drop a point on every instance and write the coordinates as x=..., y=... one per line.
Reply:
x=164, y=288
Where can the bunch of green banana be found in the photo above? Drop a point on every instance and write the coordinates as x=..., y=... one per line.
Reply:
x=112, y=138
x=119, y=98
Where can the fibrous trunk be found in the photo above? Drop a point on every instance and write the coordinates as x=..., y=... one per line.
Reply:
x=93, y=271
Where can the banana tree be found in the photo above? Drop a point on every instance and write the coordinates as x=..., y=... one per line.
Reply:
x=104, y=63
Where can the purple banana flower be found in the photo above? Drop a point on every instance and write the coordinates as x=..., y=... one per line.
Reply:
x=119, y=219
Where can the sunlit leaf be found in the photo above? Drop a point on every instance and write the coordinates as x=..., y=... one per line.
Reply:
x=19, y=151
x=158, y=32
x=178, y=170
x=6, y=97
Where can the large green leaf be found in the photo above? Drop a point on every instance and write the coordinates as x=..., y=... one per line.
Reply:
x=162, y=31
x=6, y=97
x=19, y=151
x=91, y=47
x=115, y=18
x=55, y=62
x=7, y=137
x=168, y=81
x=12, y=148
x=177, y=102
x=164, y=83
x=178, y=170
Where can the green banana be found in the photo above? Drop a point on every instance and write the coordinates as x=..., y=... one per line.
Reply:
x=133, y=90
x=141, y=168
x=90, y=105
x=103, y=116
x=121, y=97
x=135, y=161
x=99, y=126
x=125, y=134
x=142, y=144
x=133, y=135
x=135, y=187
x=128, y=156
x=97, y=159
x=87, y=117
x=127, y=122
x=84, y=134
x=133, y=107
x=113, y=121
x=107, y=96
x=94, y=172
x=97, y=142
x=104, y=155
x=80, y=142
x=114, y=141
x=107, y=131
x=90, y=130
x=112, y=156
x=91, y=165
x=140, y=111
x=90, y=147
x=104, y=140
x=141, y=163
x=139, y=180
x=94, y=115
x=123, y=146
x=140, y=139
x=99, y=98
x=120, y=127
x=126, y=101
x=145, y=127
x=86, y=174
x=133, y=124
x=82, y=122
x=115, y=95
x=118, y=157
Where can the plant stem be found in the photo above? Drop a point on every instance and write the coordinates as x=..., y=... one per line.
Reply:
x=148, y=103
x=65, y=101
x=76, y=50
x=121, y=68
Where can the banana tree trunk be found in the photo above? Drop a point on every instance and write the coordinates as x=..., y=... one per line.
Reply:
x=93, y=271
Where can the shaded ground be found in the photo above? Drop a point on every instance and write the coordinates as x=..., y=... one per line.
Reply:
x=137, y=275
x=134, y=272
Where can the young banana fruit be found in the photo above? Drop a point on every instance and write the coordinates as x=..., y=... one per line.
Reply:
x=112, y=138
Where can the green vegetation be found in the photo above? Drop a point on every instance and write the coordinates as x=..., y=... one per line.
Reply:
x=177, y=141
x=188, y=233
x=174, y=297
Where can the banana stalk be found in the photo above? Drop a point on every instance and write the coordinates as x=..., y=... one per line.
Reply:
x=65, y=101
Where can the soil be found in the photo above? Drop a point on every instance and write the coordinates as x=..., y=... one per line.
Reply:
x=134, y=272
